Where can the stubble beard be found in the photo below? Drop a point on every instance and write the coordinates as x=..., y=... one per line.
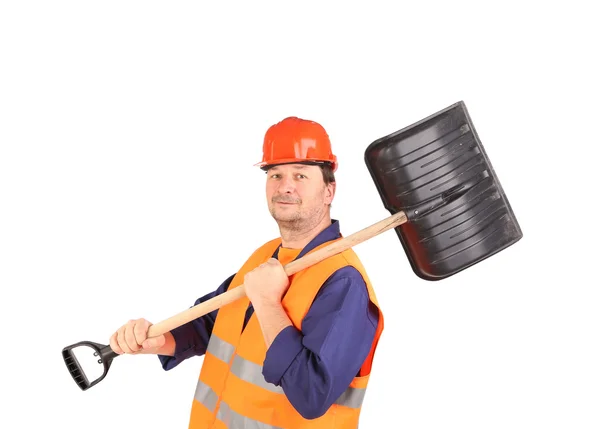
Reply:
x=297, y=221
x=291, y=221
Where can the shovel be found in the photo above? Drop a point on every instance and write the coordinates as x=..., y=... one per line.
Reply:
x=446, y=204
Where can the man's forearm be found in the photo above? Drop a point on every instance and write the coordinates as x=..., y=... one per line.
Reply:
x=272, y=319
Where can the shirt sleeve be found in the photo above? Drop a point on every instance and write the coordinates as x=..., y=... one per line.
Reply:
x=316, y=364
x=191, y=339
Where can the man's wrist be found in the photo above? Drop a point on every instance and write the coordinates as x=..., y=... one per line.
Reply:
x=268, y=303
x=272, y=318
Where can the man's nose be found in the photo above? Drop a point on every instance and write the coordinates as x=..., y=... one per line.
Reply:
x=287, y=185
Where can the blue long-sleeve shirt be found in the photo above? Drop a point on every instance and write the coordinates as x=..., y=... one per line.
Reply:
x=316, y=364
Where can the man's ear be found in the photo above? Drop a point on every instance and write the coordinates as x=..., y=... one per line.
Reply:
x=330, y=192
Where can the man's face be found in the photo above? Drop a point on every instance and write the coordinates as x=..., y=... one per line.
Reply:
x=297, y=194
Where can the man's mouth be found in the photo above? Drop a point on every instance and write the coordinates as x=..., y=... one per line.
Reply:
x=286, y=202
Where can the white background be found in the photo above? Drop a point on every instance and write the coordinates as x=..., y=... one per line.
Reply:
x=128, y=135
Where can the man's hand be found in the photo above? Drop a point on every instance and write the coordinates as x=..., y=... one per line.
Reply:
x=267, y=283
x=132, y=338
x=265, y=286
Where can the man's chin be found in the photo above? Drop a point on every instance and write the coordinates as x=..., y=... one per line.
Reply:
x=285, y=217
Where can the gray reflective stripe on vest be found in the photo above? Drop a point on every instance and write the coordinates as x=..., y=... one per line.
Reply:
x=220, y=348
x=206, y=396
x=234, y=420
x=252, y=373
x=352, y=397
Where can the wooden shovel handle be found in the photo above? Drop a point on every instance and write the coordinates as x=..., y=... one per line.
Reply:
x=291, y=268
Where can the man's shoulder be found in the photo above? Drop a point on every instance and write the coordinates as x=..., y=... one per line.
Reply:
x=347, y=268
x=348, y=273
x=349, y=258
x=346, y=284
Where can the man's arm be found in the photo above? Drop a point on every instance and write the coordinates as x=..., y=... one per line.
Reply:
x=316, y=364
x=191, y=339
x=272, y=319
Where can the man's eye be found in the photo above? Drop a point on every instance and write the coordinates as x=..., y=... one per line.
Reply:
x=302, y=176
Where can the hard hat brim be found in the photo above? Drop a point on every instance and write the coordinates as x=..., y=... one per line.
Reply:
x=265, y=165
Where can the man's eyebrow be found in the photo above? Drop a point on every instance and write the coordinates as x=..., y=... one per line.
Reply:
x=296, y=167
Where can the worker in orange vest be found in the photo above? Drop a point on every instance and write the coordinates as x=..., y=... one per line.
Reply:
x=297, y=351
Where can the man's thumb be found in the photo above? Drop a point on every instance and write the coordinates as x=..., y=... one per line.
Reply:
x=154, y=342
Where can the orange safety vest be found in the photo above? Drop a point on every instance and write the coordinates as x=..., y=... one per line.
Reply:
x=232, y=392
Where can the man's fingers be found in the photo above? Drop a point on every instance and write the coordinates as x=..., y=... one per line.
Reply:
x=122, y=341
x=140, y=331
x=130, y=336
x=114, y=345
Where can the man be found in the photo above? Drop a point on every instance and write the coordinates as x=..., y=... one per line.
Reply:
x=296, y=352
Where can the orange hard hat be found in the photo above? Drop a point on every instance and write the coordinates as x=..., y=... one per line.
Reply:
x=296, y=140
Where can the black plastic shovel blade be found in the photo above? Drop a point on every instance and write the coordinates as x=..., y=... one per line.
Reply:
x=437, y=172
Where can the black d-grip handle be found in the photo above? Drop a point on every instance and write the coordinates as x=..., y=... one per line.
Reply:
x=105, y=356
